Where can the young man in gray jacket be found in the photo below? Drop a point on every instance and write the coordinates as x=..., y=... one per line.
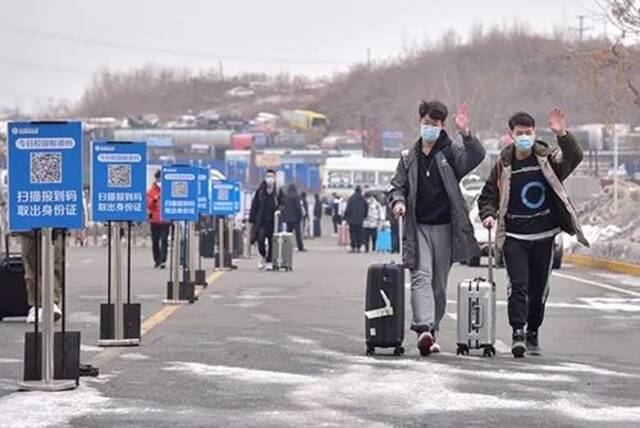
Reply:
x=425, y=191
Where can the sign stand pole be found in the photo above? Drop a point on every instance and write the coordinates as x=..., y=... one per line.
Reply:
x=231, y=222
x=220, y=264
x=200, y=275
x=173, y=286
x=116, y=316
x=47, y=382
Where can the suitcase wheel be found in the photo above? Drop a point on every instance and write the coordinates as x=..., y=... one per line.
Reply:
x=462, y=349
x=371, y=351
x=399, y=351
x=489, y=351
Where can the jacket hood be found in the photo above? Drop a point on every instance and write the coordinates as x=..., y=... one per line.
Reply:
x=540, y=148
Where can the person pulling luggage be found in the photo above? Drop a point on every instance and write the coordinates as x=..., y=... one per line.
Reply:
x=261, y=217
x=425, y=191
x=525, y=196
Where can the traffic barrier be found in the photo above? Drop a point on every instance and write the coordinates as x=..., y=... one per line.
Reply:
x=605, y=264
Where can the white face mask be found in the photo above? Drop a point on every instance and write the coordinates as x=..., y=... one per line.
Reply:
x=270, y=180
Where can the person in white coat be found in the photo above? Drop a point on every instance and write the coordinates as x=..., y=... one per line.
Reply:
x=371, y=223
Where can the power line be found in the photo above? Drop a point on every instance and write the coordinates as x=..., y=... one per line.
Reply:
x=49, y=35
x=31, y=65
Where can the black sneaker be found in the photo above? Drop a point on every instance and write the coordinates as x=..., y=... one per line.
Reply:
x=425, y=342
x=518, y=348
x=533, y=345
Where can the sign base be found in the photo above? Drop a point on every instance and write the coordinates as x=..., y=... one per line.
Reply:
x=66, y=364
x=131, y=315
x=110, y=343
x=200, y=277
x=42, y=386
x=186, y=292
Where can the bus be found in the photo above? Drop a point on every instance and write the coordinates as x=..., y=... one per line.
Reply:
x=342, y=175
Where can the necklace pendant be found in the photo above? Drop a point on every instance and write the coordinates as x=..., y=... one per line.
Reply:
x=428, y=173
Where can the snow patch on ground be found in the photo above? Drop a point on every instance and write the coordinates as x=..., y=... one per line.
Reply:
x=10, y=361
x=613, y=304
x=265, y=318
x=83, y=318
x=250, y=340
x=134, y=357
x=239, y=373
x=90, y=348
x=47, y=409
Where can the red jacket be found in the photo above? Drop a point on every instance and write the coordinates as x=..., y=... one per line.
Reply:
x=154, y=204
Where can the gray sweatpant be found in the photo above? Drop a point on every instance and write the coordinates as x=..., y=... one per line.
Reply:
x=429, y=280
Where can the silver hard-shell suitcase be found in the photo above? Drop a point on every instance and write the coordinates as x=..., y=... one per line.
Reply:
x=477, y=312
x=282, y=255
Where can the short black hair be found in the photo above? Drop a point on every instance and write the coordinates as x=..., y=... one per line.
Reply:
x=522, y=119
x=434, y=109
x=157, y=174
x=269, y=171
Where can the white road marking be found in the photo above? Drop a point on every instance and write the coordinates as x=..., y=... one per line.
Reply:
x=596, y=284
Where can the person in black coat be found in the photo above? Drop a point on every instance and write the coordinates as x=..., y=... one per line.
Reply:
x=317, y=216
x=291, y=204
x=261, y=217
x=355, y=214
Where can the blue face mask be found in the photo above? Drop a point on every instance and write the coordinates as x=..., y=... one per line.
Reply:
x=430, y=133
x=524, y=143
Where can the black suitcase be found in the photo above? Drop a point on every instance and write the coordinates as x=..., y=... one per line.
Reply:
x=384, y=306
x=384, y=310
x=13, y=291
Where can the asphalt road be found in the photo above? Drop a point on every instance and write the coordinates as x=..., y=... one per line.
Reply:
x=287, y=349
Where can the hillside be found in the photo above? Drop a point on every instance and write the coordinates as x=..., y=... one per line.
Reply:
x=497, y=73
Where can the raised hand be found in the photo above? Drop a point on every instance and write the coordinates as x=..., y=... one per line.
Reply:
x=557, y=121
x=462, y=118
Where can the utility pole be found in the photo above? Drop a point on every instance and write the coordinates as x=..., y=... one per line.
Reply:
x=581, y=19
x=220, y=70
x=368, y=57
x=365, y=146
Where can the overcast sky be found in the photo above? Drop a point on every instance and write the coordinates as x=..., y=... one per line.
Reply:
x=51, y=48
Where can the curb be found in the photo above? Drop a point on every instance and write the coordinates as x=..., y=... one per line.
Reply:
x=597, y=263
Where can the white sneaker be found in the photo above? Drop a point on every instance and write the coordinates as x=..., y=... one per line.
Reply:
x=269, y=266
x=57, y=313
x=262, y=264
x=31, y=317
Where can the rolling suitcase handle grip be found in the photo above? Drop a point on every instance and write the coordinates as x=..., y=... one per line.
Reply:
x=478, y=320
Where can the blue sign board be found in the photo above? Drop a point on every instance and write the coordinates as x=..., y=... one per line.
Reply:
x=45, y=175
x=225, y=197
x=118, y=181
x=179, y=193
x=203, y=190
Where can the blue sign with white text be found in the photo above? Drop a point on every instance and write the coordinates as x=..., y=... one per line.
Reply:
x=118, y=181
x=203, y=191
x=45, y=175
x=179, y=193
x=225, y=197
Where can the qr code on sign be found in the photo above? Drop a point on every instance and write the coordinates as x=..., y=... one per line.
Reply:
x=45, y=167
x=179, y=189
x=119, y=175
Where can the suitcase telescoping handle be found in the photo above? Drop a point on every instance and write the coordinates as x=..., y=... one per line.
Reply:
x=276, y=221
x=400, y=235
x=490, y=251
